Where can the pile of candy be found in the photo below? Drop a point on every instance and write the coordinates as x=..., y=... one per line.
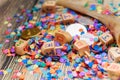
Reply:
x=47, y=42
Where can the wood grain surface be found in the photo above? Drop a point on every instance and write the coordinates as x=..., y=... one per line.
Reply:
x=9, y=9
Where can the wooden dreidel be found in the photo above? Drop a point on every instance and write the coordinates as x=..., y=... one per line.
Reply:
x=49, y=47
x=68, y=18
x=113, y=71
x=114, y=54
x=82, y=47
x=49, y=6
x=20, y=45
x=63, y=37
x=32, y=32
x=106, y=38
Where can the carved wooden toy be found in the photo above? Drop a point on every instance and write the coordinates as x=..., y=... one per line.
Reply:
x=113, y=71
x=109, y=21
x=20, y=45
x=106, y=38
x=63, y=37
x=32, y=32
x=68, y=18
x=49, y=6
x=82, y=47
x=114, y=54
x=49, y=47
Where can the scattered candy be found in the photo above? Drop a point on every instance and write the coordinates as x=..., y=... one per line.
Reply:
x=1, y=45
x=93, y=7
x=52, y=41
x=100, y=1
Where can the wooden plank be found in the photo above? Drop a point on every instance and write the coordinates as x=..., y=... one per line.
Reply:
x=13, y=7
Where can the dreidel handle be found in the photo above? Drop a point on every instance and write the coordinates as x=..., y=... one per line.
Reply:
x=58, y=47
x=100, y=43
x=87, y=53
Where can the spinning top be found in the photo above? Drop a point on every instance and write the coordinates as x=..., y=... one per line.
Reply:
x=27, y=34
x=63, y=37
x=49, y=6
x=20, y=46
x=113, y=71
x=82, y=47
x=106, y=38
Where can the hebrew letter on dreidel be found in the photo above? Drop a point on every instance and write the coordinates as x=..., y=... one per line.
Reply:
x=114, y=54
x=68, y=18
x=106, y=38
x=47, y=47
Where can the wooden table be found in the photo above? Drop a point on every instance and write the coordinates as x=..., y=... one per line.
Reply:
x=9, y=9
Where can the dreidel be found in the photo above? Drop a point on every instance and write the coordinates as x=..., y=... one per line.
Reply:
x=113, y=71
x=49, y=6
x=49, y=47
x=106, y=38
x=63, y=37
x=71, y=56
x=82, y=47
x=68, y=18
x=20, y=46
x=114, y=54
